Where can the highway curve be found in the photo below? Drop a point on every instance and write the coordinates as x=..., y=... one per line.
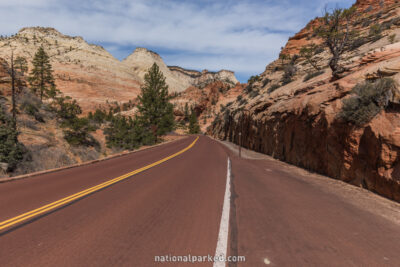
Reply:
x=175, y=208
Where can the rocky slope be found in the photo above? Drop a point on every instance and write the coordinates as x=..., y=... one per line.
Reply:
x=177, y=78
x=298, y=122
x=83, y=71
x=206, y=101
x=91, y=75
x=44, y=140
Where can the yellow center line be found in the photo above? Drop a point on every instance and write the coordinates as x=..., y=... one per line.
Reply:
x=69, y=199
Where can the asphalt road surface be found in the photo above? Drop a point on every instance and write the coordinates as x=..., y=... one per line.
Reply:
x=187, y=200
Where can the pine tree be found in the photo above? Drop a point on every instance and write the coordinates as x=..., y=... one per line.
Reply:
x=194, y=127
x=186, y=112
x=155, y=112
x=21, y=65
x=11, y=151
x=41, y=77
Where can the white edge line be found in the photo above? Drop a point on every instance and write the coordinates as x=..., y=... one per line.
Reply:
x=222, y=244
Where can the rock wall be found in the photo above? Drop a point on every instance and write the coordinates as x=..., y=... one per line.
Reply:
x=312, y=138
x=298, y=122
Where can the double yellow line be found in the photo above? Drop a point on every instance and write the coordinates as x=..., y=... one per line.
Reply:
x=69, y=199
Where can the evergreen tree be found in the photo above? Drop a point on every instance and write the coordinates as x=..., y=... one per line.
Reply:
x=11, y=151
x=41, y=77
x=76, y=130
x=21, y=65
x=194, y=127
x=186, y=112
x=126, y=134
x=155, y=110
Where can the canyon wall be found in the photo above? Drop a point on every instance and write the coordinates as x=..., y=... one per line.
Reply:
x=299, y=123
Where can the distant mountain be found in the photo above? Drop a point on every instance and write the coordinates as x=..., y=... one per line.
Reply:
x=177, y=78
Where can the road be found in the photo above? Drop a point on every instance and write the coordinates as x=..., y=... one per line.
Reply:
x=178, y=207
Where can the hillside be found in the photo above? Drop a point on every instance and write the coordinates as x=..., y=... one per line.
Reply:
x=297, y=120
x=86, y=72
x=91, y=75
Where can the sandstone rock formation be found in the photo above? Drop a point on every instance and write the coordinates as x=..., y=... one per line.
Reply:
x=177, y=78
x=91, y=75
x=298, y=122
x=86, y=72
x=206, y=101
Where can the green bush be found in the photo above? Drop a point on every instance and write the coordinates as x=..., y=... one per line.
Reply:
x=77, y=132
x=254, y=79
x=66, y=108
x=30, y=105
x=375, y=29
x=368, y=100
x=392, y=38
x=358, y=43
x=124, y=133
x=99, y=116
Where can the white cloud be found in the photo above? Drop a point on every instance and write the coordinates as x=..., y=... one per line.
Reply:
x=242, y=35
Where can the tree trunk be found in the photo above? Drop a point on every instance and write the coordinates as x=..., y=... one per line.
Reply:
x=334, y=65
x=41, y=83
x=14, y=110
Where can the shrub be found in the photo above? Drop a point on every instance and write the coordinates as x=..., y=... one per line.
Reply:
x=254, y=93
x=312, y=75
x=375, y=29
x=358, y=43
x=273, y=88
x=289, y=72
x=77, y=131
x=265, y=82
x=66, y=108
x=239, y=98
x=375, y=38
x=368, y=100
x=392, y=38
x=254, y=79
x=31, y=107
x=99, y=116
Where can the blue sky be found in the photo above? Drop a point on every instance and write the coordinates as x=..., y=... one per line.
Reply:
x=239, y=35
